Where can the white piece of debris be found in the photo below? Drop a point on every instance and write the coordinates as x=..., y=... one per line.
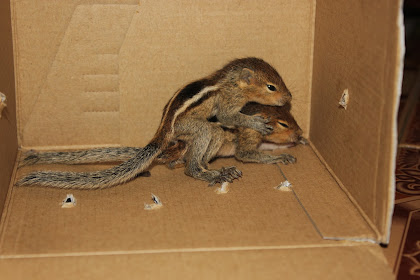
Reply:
x=157, y=203
x=224, y=188
x=68, y=202
x=2, y=103
x=344, y=100
x=284, y=186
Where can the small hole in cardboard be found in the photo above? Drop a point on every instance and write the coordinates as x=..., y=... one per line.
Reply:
x=68, y=202
x=157, y=203
x=344, y=100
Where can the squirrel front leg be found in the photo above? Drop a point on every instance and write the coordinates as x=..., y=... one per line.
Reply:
x=230, y=116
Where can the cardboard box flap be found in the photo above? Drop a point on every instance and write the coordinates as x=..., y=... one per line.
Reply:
x=349, y=263
x=359, y=49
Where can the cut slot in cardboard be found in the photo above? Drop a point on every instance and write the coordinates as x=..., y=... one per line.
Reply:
x=81, y=74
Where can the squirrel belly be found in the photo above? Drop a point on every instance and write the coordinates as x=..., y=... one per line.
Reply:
x=222, y=94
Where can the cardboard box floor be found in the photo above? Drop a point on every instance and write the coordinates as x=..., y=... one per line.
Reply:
x=251, y=228
x=98, y=72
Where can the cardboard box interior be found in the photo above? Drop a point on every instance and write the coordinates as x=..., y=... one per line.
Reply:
x=98, y=73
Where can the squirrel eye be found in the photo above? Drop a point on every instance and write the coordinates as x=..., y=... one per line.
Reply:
x=271, y=87
x=283, y=124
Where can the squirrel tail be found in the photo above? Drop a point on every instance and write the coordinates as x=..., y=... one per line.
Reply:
x=119, y=174
x=96, y=155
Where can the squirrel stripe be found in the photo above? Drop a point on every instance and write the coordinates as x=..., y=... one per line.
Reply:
x=221, y=94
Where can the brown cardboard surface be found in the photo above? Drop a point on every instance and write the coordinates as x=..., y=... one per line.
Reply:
x=354, y=46
x=183, y=28
x=101, y=74
x=67, y=72
x=356, y=262
x=127, y=60
x=252, y=214
x=8, y=133
x=334, y=214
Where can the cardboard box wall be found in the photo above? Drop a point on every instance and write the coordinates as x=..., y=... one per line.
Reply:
x=98, y=73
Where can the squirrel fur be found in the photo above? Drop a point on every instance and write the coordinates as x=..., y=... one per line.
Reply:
x=185, y=118
x=244, y=144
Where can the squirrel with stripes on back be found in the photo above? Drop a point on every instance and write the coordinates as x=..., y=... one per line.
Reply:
x=245, y=144
x=185, y=117
x=248, y=145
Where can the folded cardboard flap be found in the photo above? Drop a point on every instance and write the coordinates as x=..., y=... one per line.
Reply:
x=362, y=53
x=99, y=75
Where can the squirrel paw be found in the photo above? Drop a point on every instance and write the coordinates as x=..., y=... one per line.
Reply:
x=286, y=159
x=260, y=125
x=227, y=174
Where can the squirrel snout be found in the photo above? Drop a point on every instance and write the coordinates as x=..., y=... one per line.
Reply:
x=285, y=97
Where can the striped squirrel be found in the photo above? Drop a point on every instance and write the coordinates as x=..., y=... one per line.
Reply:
x=246, y=144
x=243, y=143
x=185, y=117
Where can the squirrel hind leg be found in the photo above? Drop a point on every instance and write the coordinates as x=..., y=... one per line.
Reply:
x=226, y=174
x=260, y=157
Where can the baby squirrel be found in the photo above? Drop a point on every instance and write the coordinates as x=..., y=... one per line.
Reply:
x=246, y=144
x=185, y=117
x=243, y=143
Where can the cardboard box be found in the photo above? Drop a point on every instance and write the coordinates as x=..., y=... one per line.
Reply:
x=88, y=73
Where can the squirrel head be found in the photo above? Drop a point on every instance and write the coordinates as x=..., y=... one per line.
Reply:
x=285, y=128
x=261, y=82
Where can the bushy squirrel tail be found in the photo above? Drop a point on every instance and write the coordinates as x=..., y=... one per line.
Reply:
x=119, y=174
x=96, y=155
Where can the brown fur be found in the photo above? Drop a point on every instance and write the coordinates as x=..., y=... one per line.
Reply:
x=221, y=94
x=244, y=143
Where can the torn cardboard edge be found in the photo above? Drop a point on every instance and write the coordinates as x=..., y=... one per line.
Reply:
x=223, y=189
x=157, y=203
x=69, y=202
x=344, y=100
x=286, y=186
x=2, y=103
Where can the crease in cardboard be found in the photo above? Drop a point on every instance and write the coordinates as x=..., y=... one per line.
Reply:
x=347, y=193
x=311, y=65
x=343, y=243
x=85, y=76
x=287, y=184
x=16, y=63
x=8, y=202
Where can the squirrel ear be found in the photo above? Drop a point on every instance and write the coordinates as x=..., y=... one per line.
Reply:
x=247, y=75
